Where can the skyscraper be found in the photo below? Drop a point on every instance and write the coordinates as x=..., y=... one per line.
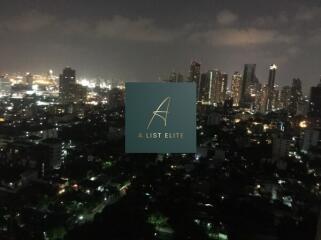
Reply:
x=29, y=79
x=236, y=88
x=315, y=102
x=285, y=97
x=296, y=95
x=51, y=77
x=195, y=76
x=68, y=77
x=248, y=82
x=271, y=94
x=195, y=71
x=207, y=86
x=260, y=99
x=220, y=88
x=272, y=73
x=67, y=82
x=5, y=86
x=204, y=88
x=276, y=103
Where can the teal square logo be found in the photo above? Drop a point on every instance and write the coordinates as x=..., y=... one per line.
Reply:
x=160, y=118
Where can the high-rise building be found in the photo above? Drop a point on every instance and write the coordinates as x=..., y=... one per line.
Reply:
x=311, y=138
x=303, y=107
x=51, y=77
x=296, y=95
x=236, y=88
x=207, y=86
x=69, y=91
x=285, y=97
x=249, y=81
x=212, y=87
x=260, y=99
x=67, y=79
x=271, y=94
x=195, y=72
x=195, y=76
x=29, y=79
x=54, y=148
x=5, y=86
x=220, y=88
x=116, y=98
x=276, y=103
x=315, y=102
x=272, y=73
x=204, y=88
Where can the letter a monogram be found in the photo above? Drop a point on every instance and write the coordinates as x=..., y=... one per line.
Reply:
x=161, y=113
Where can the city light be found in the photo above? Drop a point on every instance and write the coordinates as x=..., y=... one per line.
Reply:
x=303, y=124
x=273, y=67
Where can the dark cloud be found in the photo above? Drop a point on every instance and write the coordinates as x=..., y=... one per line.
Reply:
x=141, y=29
x=29, y=22
x=242, y=37
x=308, y=13
x=226, y=17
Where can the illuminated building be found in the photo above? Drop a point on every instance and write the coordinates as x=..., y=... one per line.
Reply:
x=204, y=88
x=207, y=83
x=249, y=86
x=50, y=75
x=220, y=88
x=54, y=152
x=195, y=76
x=276, y=101
x=5, y=86
x=315, y=105
x=195, y=72
x=236, y=88
x=296, y=95
x=315, y=101
x=285, y=97
x=260, y=100
x=212, y=87
x=29, y=79
x=270, y=87
x=51, y=78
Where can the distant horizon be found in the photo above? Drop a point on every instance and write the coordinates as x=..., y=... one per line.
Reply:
x=306, y=89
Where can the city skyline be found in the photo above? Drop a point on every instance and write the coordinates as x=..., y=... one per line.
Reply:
x=143, y=41
x=160, y=120
x=184, y=75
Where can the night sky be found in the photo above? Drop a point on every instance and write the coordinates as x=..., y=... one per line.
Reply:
x=137, y=40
